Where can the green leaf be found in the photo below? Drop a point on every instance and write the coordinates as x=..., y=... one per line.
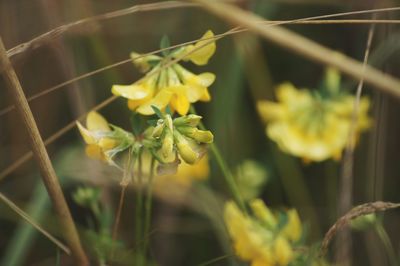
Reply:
x=157, y=111
x=165, y=43
x=168, y=110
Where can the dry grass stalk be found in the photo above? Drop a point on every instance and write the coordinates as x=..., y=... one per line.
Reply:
x=304, y=47
x=346, y=191
x=357, y=211
x=26, y=217
x=81, y=24
x=42, y=158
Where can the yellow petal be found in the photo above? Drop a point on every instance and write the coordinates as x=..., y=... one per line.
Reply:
x=263, y=213
x=136, y=91
x=161, y=100
x=179, y=101
x=283, y=251
x=270, y=110
x=95, y=152
x=133, y=104
x=107, y=143
x=206, y=97
x=293, y=229
x=197, y=86
x=96, y=122
x=142, y=62
x=86, y=134
x=205, y=51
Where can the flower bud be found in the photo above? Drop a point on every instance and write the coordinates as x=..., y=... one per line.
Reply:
x=184, y=149
x=186, y=152
x=203, y=136
x=189, y=120
x=167, y=148
x=157, y=131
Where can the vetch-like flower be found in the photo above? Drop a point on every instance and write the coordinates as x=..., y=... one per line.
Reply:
x=103, y=143
x=313, y=125
x=261, y=238
x=168, y=84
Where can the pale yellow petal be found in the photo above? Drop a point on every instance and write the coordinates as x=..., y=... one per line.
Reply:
x=206, y=97
x=161, y=100
x=96, y=122
x=204, y=51
x=95, y=152
x=136, y=91
x=86, y=134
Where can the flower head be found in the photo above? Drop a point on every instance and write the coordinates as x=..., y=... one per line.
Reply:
x=259, y=239
x=313, y=126
x=170, y=84
x=103, y=143
x=179, y=136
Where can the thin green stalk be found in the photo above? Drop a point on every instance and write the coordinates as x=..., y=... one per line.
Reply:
x=229, y=178
x=386, y=243
x=138, y=214
x=147, y=209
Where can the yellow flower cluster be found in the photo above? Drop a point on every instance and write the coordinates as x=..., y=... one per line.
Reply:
x=310, y=125
x=172, y=85
x=260, y=239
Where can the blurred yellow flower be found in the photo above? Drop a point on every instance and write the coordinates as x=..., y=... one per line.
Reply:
x=186, y=173
x=173, y=85
x=95, y=136
x=309, y=125
x=259, y=239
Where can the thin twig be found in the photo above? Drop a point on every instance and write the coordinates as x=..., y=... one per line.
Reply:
x=346, y=191
x=124, y=183
x=42, y=158
x=358, y=211
x=26, y=217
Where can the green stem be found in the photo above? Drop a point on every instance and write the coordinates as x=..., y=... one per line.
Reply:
x=148, y=204
x=138, y=215
x=226, y=172
x=386, y=243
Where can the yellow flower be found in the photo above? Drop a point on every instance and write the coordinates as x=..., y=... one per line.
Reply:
x=95, y=137
x=173, y=85
x=310, y=126
x=292, y=229
x=187, y=173
x=200, y=52
x=259, y=239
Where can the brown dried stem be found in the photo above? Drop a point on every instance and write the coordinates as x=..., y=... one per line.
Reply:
x=357, y=211
x=42, y=158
